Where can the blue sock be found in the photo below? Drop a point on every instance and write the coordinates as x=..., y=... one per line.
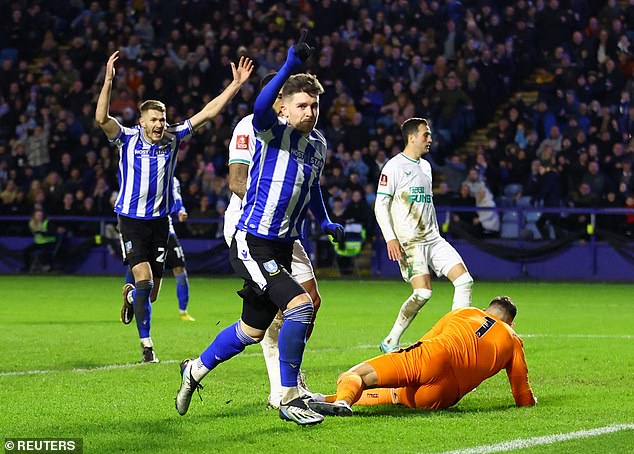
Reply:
x=227, y=344
x=129, y=277
x=142, y=307
x=292, y=341
x=182, y=290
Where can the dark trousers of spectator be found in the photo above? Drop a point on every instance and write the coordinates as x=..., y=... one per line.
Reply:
x=546, y=220
x=38, y=257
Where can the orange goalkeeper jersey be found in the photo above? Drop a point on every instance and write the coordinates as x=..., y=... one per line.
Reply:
x=480, y=345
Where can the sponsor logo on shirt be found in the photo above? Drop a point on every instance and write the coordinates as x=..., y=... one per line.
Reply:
x=242, y=142
x=417, y=195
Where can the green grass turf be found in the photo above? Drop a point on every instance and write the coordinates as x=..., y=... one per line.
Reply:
x=579, y=344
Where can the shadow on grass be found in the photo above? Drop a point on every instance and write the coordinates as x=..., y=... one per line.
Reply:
x=402, y=411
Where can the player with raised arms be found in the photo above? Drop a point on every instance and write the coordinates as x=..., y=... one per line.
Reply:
x=147, y=159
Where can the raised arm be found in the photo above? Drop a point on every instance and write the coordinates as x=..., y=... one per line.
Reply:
x=264, y=116
x=109, y=125
x=241, y=74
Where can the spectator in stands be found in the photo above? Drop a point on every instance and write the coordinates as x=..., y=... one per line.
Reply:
x=44, y=242
x=203, y=210
x=628, y=227
x=358, y=165
x=553, y=141
x=595, y=179
x=357, y=210
x=466, y=220
x=474, y=182
x=488, y=221
x=549, y=196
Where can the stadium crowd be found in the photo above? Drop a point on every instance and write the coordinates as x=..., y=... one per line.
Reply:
x=380, y=62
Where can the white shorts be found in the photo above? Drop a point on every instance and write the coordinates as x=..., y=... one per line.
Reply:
x=301, y=268
x=419, y=258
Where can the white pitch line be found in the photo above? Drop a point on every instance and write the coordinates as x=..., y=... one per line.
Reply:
x=131, y=365
x=522, y=443
x=321, y=350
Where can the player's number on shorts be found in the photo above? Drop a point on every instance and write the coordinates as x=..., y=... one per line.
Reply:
x=486, y=326
x=161, y=255
x=179, y=252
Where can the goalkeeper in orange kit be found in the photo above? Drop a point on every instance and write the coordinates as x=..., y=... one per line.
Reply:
x=463, y=349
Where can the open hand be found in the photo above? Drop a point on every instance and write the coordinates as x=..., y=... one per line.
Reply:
x=243, y=71
x=110, y=65
x=394, y=250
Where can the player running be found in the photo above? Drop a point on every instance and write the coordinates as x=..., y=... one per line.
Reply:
x=405, y=212
x=147, y=158
x=463, y=349
x=241, y=151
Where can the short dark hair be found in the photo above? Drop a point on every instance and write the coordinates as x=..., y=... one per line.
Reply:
x=152, y=104
x=410, y=126
x=506, y=304
x=302, y=83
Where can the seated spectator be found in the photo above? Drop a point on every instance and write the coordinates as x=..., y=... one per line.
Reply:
x=467, y=220
x=204, y=210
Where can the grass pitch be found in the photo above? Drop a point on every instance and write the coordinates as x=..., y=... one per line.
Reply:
x=68, y=368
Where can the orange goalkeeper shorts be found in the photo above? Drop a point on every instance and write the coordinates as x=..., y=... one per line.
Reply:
x=423, y=374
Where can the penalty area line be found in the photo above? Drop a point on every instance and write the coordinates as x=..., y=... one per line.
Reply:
x=522, y=443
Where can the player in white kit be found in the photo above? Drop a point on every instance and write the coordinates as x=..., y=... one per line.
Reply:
x=405, y=212
x=241, y=150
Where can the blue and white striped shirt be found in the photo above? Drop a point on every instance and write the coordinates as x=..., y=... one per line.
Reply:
x=146, y=171
x=285, y=165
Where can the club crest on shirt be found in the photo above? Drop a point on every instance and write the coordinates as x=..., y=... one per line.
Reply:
x=383, y=180
x=242, y=142
x=271, y=267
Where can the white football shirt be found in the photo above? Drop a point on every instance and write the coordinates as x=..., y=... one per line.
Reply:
x=408, y=185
